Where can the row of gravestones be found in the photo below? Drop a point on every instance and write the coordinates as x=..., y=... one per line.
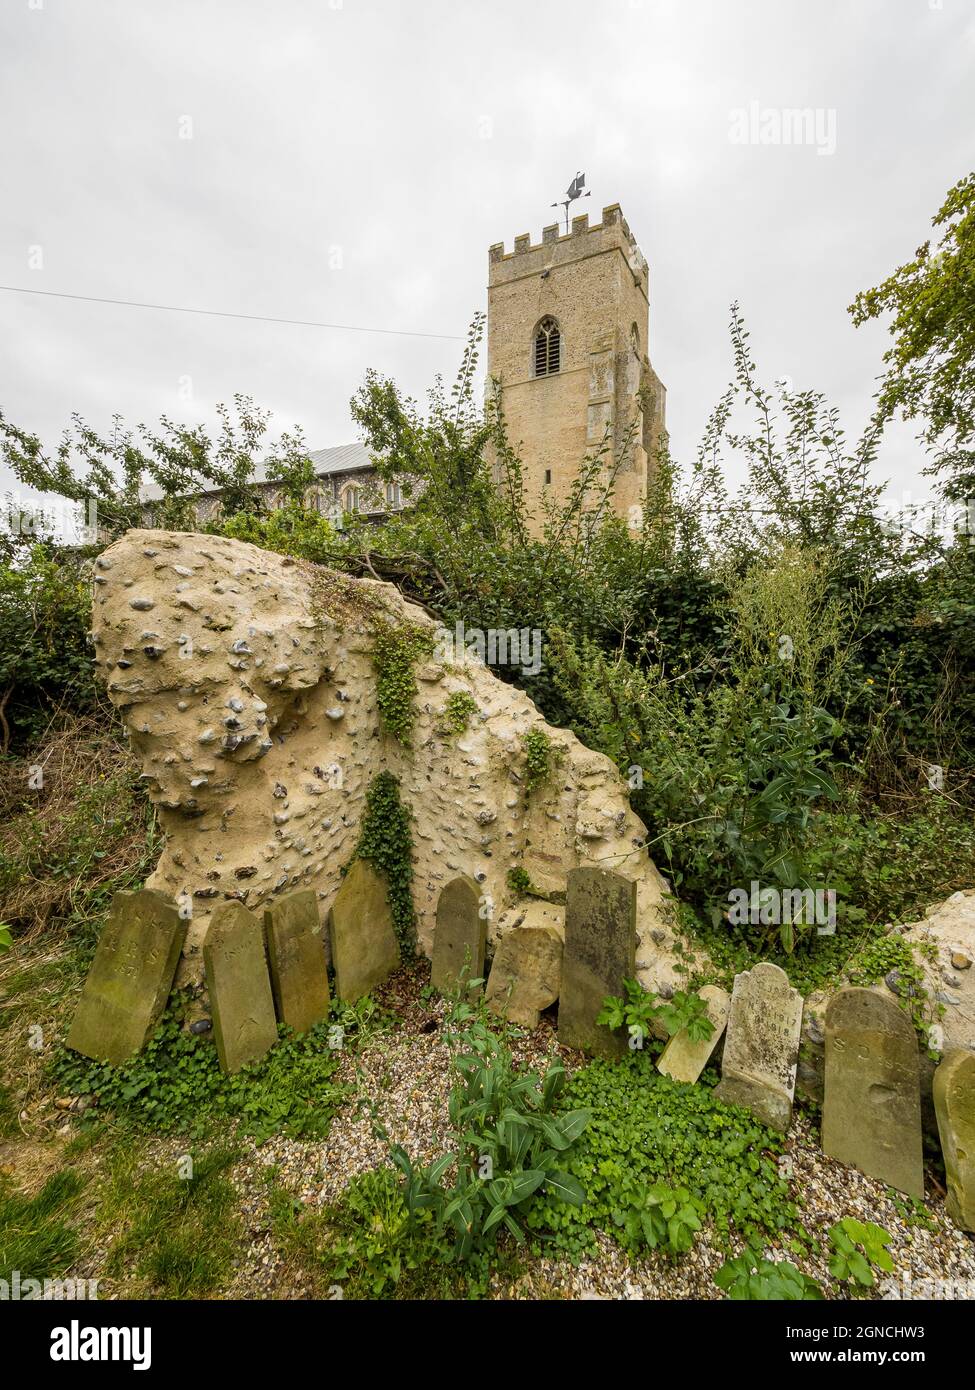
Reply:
x=261, y=972
x=258, y=973
x=872, y=1100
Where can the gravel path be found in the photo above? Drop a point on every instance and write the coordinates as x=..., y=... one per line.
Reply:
x=407, y=1076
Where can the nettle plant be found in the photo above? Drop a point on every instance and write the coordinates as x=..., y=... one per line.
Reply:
x=639, y=1010
x=509, y=1142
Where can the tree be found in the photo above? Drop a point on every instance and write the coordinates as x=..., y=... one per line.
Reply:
x=931, y=364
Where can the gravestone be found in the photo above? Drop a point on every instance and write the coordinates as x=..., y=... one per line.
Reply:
x=684, y=1060
x=758, y=1066
x=526, y=974
x=460, y=937
x=364, y=946
x=954, y=1103
x=296, y=955
x=599, y=954
x=237, y=979
x=872, y=1089
x=130, y=978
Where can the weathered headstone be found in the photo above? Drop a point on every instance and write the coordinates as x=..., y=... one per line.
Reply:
x=460, y=937
x=130, y=978
x=237, y=979
x=954, y=1103
x=526, y=974
x=600, y=953
x=364, y=946
x=758, y=1066
x=684, y=1060
x=872, y=1089
x=296, y=955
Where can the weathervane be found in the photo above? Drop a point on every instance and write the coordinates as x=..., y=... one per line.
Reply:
x=573, y=192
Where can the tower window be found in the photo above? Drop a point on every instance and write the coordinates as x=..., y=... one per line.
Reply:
x=352, y=499
x=548, y=475
x=548, y=348
x=394, y=497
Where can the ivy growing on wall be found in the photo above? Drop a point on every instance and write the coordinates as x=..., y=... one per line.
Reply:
x=386, y=841
x=458, y=709
x=396, y=652
x=538, y=758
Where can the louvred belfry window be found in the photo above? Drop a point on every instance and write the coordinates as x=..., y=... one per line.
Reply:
x=548, y=348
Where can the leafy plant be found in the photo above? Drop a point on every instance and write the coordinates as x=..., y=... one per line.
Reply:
x=750, y=1276
x=519, y=880
x=538, y=758
x=509, y=1143
x=859, y=1247
x=175, y=1084
x=647, y=1129
x=397, y=648
x=459, y=707
x=639, y=1010
x=6, y=940
x=378, y=1238
x=386, y=841
x=658, y=1216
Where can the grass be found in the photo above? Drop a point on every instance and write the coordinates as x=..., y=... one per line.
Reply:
x=176, y=1226
x=36, y=1237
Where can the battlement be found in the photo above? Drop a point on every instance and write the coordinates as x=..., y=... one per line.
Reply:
x=612, y=217
x=558, y=247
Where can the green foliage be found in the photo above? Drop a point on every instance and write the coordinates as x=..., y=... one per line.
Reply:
x=648, y=1130
x=640, y=1009
x=175, y=1084
x=386, y=841
x=930, y=373
x=35, y=1235
x=377, y=1239
x=45, y=659
x=179, y=1234
x=884, y=954
x=751, y=1277
x=395, y=653
x=657, y=1216
x=180, y=460
x=538, y=758
x=519, y=880
x=859, y=1247
x=509, y=1144
x=459, y=707
x=6, y=940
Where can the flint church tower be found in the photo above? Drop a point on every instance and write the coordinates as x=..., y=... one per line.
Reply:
x=568, y=325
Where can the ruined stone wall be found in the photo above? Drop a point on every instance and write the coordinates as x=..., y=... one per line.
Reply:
x=248, y=688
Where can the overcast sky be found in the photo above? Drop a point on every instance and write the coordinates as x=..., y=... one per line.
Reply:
x=352, y=160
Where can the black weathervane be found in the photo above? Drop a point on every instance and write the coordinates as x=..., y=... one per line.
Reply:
x=573, y=192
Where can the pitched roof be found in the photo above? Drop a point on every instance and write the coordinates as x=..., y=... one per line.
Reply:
x=340, y=458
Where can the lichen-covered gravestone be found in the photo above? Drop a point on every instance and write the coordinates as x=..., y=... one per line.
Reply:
x=296, y=955
x=683, y=1059
x=954, y=1103
x=130, y=978
x=758, y=1067
x=600, y=953
x=526, y=974
x=872, y=1089
x=460, y=937
x=239, y=986
x=365, y=951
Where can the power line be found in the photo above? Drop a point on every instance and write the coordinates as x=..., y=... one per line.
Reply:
x=224, y=314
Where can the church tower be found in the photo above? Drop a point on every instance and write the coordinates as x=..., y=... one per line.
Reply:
x=568, y=325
